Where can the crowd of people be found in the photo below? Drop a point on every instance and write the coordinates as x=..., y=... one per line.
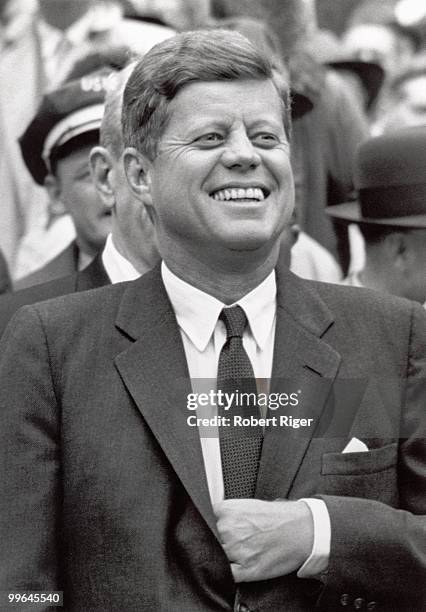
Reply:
x=176, y=173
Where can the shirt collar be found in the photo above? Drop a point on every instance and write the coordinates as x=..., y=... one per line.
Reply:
x=354, y=280
x=116, y=266
x=197, y=312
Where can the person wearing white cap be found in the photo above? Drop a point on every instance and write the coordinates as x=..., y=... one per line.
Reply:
x=55, y=147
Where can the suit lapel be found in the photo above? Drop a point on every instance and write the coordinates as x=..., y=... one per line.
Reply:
x=303, y=364
x=155, y=372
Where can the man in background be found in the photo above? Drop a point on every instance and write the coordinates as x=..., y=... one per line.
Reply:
x=390, y=176
x=131, y=248
x=55, y=147
x=55, y=229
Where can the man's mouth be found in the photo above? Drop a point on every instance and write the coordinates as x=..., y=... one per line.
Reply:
x=238, y=194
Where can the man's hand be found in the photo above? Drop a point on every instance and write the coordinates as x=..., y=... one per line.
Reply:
x=264, y=539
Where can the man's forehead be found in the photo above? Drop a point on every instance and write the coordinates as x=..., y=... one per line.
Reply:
x=224, y=99
x=215, y=89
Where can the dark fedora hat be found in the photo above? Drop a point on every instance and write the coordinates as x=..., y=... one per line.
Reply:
x=390, y=178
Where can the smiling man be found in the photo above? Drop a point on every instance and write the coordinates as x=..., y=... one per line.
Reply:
x=107, y=493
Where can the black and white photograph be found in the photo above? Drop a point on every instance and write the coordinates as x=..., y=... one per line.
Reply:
x=212, y=305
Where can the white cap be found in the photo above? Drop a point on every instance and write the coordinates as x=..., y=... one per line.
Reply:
x=79, y=122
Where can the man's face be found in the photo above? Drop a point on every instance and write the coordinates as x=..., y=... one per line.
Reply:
x=221, y=180
x=92, y=219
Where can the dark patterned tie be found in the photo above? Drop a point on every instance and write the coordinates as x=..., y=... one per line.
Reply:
x=240, y=446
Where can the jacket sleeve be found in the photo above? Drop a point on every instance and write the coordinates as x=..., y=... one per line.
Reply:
x=378, y=553
x=30, y=492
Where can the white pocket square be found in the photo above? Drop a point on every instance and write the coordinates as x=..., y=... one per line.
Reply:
x=355, y=446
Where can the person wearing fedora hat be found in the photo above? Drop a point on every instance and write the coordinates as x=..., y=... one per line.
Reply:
x=391, y=213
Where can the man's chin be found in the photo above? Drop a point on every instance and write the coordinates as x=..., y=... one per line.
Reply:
x=251, y=241
x=246, y=247
x=251, y=247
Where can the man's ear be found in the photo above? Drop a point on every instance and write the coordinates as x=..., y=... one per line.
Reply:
x=54, y=191
x=137, y=168
x=101, y=165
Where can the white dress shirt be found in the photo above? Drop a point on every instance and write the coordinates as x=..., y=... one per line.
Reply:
x=352, y=279
x=203, y=336
x=116, y=266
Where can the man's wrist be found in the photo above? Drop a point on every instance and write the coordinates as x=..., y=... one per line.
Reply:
x=317, y=561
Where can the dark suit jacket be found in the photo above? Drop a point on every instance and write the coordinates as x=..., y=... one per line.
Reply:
x=91, y=277
x=103, y=493
x=64, y=264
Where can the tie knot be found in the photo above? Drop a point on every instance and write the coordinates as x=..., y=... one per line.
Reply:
x=235, y=321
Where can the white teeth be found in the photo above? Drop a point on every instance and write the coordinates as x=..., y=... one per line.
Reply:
x=234, y=193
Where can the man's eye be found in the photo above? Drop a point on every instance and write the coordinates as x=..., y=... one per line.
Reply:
x=265, y=139
x=211, y=137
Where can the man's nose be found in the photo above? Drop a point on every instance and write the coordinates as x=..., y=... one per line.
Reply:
x=240, y=153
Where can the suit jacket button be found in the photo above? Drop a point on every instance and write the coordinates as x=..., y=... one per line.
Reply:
x=344, y=600
x=371, y=605
x=358, y=603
